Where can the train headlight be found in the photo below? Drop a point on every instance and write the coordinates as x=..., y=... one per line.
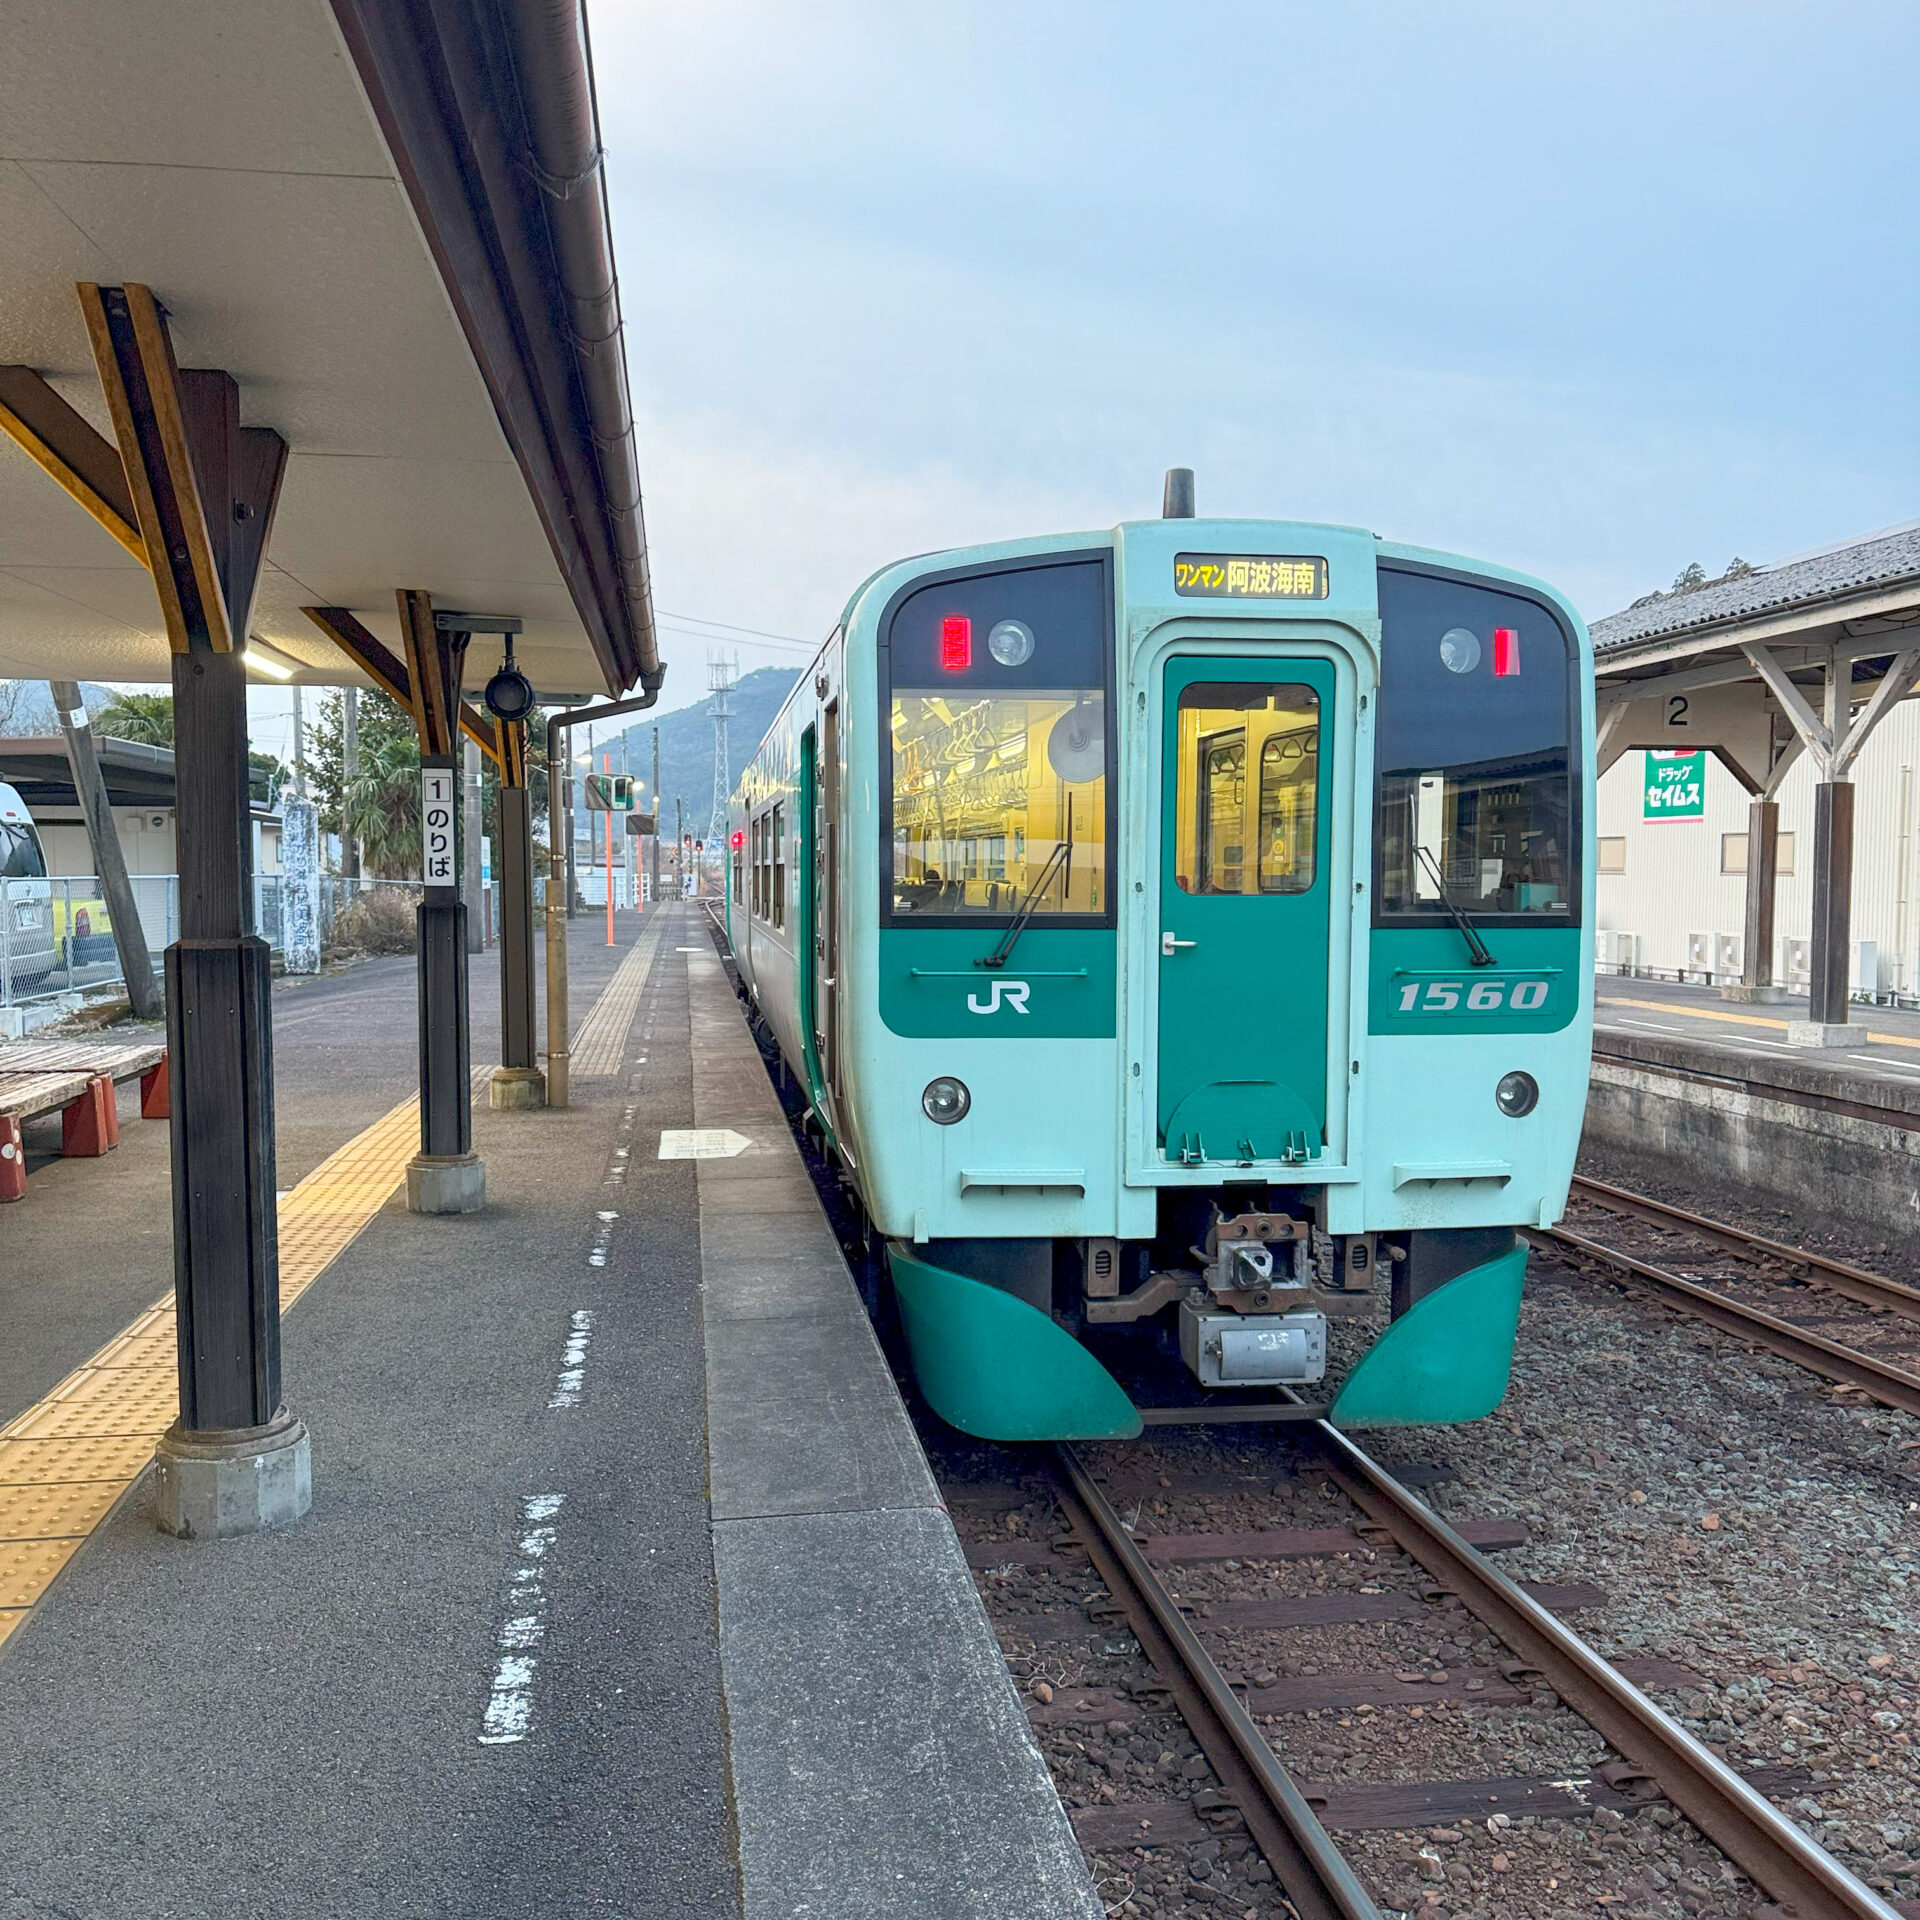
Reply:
x=945, y=1100
x=1516, y=1095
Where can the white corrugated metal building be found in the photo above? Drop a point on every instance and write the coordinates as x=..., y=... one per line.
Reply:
x=1752, y=689
x=1679, y=885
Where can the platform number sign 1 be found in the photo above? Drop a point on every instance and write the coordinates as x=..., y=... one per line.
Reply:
x=436, y=826
x=1676, y=786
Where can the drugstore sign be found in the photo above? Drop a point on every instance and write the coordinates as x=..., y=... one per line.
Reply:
x=1676, y=786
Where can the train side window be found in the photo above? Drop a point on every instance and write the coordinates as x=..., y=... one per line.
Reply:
x=1242, y=835
x=779, y=866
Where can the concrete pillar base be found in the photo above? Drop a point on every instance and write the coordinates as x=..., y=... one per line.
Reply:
x=450, y=1183
x=1753, y=996
x=213, y=1486
x=1824, y=1033
x=514, y=1088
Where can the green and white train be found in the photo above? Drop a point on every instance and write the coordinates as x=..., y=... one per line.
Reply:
x=1180, y=936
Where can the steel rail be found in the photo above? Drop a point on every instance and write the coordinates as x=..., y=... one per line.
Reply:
x=1309, y=1868
x=1760, y=1840
x=1892, y=1386
x=1857, y=1283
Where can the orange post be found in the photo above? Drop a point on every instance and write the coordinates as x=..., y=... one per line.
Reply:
x=606, y=766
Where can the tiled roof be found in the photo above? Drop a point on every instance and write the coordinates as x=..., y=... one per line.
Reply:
x=1878, y=560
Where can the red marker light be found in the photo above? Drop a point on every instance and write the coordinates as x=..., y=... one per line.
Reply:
x=1506, y=652
x=956, y=643
x=739, y=840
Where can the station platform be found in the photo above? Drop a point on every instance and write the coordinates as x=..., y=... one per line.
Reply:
x=625, y=1589
x=1684, y=1077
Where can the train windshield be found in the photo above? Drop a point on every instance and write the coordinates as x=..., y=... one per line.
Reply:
x=1001, y=747
x=1473, y=756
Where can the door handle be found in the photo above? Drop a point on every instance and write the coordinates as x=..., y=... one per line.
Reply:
x=1169, y=945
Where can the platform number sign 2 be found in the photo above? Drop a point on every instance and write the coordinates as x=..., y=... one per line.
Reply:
x=1676, y=786
x=436, y=825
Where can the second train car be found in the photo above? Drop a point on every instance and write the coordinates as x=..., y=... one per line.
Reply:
x=1181, y=936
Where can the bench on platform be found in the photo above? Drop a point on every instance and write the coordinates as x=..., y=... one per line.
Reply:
x=77, y=1078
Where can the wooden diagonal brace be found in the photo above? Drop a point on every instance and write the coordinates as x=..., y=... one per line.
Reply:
x=141, y=380
x=65, y=446
x=513, y=752
x=389, y=673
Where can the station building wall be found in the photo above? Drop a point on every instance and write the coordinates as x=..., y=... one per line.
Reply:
x=1675, y=883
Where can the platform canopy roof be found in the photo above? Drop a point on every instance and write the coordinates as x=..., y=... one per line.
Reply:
x=388, y=223
x=1864, y=589
x=1762, y=665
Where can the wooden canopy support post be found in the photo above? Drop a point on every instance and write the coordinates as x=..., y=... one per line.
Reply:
x=517, y=1081
x=1833, y=735
x=203, y=492
x=446, y=1176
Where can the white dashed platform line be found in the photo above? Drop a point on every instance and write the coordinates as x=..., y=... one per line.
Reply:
x=509, y=1714
x=573, y=1362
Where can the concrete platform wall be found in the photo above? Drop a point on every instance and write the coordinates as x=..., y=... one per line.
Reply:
x=1798, y=1134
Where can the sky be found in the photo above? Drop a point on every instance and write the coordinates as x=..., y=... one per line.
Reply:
x=1589, y=290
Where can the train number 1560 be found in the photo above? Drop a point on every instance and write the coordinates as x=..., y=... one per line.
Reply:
x=1473, y=996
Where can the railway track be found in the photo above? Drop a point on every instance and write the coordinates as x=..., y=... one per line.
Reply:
x=1841, y=1361
x=1659, y=1758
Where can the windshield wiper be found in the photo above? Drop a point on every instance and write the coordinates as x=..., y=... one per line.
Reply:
x=1061, y=857
x=1468, y=931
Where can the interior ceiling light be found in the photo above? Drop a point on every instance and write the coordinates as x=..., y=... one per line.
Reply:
x=261, y=658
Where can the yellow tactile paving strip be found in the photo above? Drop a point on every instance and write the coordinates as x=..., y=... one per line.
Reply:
x=66, y=1461
x=1740, y=1019
x=602, y=1043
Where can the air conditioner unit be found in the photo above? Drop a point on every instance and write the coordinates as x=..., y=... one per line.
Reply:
x=1626, y=952
x=1699, y=953
x=1731, y=951
x=1796, y=962
x=1866, y=966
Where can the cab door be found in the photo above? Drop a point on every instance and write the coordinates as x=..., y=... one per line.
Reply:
x=1245, y=888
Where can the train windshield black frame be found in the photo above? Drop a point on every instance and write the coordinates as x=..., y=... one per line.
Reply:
x=997, y=788
x=1476, y=755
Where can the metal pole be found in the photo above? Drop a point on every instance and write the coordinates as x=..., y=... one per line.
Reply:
x=606, y=767
x=679, y=853
x=559, y=858
x=657, y=821
x=349, y=773
x=470, y=849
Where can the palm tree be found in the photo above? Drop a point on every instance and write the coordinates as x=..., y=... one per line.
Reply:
x=145, y=719
x=382, y=805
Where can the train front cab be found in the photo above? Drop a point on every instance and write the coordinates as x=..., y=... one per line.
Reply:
x=1254, y=1009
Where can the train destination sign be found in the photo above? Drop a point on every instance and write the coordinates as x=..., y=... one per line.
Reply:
x=1250, y=576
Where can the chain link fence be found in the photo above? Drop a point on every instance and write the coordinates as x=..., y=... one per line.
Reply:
x=56, y=935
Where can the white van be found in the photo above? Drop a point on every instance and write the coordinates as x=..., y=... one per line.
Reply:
x=27, y=943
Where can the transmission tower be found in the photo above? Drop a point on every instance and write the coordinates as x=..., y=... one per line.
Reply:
x=723, y=675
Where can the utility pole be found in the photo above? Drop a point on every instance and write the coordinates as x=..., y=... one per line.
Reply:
x=658, y=813
x=679, y=852
x=144, y=995
x=299, y=745
x=349, y=773
x=722, y=677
